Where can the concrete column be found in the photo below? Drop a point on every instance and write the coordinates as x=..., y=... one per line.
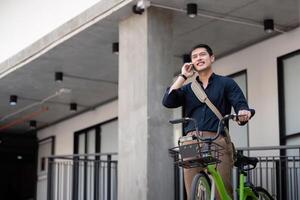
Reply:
x=145, y=170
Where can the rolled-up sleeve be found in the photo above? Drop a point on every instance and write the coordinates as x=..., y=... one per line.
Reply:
x=174, y=99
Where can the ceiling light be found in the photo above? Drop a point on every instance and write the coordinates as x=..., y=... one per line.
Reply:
x=269, y=25
x=140, y=7
x=115, y=47
x=186, y=58
x=73, y=107
x=59, y=77
x=137, y=10
x=191, y=9
x=32, y=124
x=13, y=100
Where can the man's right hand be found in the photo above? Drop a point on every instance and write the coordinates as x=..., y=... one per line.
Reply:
x=187, y=70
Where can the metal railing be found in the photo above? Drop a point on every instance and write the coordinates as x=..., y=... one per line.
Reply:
x=82, y=177
x=278, y=170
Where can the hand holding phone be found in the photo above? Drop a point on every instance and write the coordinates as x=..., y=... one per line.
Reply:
x=187, y=70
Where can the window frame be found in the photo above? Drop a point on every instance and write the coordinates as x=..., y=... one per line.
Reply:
x=85, y=131
x=281, y=102
x=43, y=160
x=233, y=75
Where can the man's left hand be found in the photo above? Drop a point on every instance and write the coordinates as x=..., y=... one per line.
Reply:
x=244, y=115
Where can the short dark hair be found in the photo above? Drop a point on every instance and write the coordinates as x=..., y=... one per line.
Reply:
x=205, y=46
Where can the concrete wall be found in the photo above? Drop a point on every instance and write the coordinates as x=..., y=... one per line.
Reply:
x=260, y=60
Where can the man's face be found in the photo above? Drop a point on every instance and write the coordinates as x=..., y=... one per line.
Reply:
x=201, y=59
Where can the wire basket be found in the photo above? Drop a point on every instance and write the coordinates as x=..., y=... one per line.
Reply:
x=196, y=154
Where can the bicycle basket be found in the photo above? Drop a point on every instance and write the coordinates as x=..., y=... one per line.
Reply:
x=196, y=154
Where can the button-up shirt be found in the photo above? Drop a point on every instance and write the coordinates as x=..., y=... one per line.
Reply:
x=222, y=91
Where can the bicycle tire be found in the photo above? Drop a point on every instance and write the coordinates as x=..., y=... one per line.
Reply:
x=263, y=194
x=201, y=187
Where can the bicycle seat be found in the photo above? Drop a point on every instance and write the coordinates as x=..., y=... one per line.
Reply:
x=242, y=161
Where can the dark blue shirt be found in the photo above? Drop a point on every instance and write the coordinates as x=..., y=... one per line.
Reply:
x=222, y=91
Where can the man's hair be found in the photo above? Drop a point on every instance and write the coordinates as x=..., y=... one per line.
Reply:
x=205, y=46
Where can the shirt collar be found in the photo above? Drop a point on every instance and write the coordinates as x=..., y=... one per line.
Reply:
x=210, y=79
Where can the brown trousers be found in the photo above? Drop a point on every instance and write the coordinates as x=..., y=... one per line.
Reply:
x=224, y=167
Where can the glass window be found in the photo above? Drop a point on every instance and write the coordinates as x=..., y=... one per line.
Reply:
x=109, y=137
x=45, y=149
x=81, y=144
x=291, y=71
x=288, y=81
x=239, y=134
x=90, y=173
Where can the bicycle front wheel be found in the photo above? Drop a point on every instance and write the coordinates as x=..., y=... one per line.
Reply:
x=201, y=187
x=263, y=194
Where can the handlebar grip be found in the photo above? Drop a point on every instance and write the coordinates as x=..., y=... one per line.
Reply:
x=177, y=121
x=235, y=116
x=252, y=112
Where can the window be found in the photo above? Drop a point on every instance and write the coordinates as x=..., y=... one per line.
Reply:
x=239, y=134
x=87, y=141
x=288, y=69
x=101, y=138
x=289, y=109
x=109, y=137
x=46, y=148
x=90, y=171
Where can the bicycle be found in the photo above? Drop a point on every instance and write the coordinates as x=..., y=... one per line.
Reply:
x=203, y=152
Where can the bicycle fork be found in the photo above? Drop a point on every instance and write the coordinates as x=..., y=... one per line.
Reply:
x=213, y=188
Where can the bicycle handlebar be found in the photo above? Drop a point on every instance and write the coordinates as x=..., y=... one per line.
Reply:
x=226, y=117
x=177, y=121
x=185, y=120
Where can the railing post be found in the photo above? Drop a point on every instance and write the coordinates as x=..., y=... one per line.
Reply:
x=75, y=178
x=237, y=171
x=49, y=178
x=176, y=179
x=108, y=177
x=79, y=180
x=97, y=177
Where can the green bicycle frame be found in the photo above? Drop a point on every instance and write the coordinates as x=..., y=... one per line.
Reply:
x=243, y=191
x=211, y=169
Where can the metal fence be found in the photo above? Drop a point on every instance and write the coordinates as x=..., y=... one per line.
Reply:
x=82, y=177
x=278, y=170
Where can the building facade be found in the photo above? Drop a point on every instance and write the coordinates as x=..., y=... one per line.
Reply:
x=120, y=110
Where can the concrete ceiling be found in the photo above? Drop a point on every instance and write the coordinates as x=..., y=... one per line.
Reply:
x=91, y=69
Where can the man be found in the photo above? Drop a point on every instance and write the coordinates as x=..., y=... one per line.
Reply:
x=222, y=91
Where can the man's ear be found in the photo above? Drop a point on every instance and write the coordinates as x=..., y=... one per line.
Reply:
x=212, y=58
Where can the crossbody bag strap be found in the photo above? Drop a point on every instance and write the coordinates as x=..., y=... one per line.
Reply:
x=201, y=95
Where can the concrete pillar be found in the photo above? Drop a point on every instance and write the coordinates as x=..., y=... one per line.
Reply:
x=145, y=170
